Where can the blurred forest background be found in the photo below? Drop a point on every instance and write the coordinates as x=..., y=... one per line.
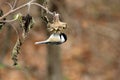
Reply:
x=92, y=51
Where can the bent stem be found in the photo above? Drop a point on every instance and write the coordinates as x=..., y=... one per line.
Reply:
x=46, y=9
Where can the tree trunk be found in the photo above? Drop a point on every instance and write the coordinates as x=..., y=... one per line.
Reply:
x=54, y=63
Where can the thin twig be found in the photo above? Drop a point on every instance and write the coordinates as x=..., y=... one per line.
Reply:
x=14, y=5
x=29, y=5
x=9, y=5
x=8, y=21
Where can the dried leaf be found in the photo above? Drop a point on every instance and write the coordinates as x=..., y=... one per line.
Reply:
x=18, y=17
x=26, y=24
x=16, y=51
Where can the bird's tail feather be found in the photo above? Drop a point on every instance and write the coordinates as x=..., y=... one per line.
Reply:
x=41, y=42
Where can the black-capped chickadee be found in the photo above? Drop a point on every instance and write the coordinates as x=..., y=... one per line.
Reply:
x=54, y=38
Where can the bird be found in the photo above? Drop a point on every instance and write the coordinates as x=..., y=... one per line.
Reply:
x=54, y=39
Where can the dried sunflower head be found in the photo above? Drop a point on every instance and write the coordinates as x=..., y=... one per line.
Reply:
x=56, y=26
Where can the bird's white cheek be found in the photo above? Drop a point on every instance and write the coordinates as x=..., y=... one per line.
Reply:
x=62, y=39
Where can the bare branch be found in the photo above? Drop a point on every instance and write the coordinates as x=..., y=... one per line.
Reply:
x=24, y=5
x=12, y=11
